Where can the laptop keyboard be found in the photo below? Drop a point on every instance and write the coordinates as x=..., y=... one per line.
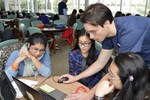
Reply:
x=45, y=96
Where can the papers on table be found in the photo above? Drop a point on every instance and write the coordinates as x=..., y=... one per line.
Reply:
x=28, y=82
x=47, y=88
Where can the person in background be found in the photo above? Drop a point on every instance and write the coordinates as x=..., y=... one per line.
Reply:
x=82, y=56
x=62, y=10
x=148, y=14
x=122, y=34
x=128, y=14
x=72, y=18
x=129, y=73
x=118, y=14
x=79, y=14
x=31, y=59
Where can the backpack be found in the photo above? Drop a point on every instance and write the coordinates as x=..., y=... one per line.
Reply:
x=6, y=35
x=60, y=26
x=68, y=35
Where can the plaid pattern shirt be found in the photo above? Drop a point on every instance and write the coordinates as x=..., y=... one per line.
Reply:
x=75, y=68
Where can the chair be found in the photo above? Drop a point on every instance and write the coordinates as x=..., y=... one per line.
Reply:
x=11, y=16
x=73, y=36
x=1, y=30
x=26, y=22
x=80, y=25
x=58, y=34
x=23, y=27
x=8, y=42
x=7, y=47
x=5, y=33
x=23, y=31
x=1, y=26
x=32, y=14
x=57, y=22
x=33, y=30
x=35, y=23
x=32, y=19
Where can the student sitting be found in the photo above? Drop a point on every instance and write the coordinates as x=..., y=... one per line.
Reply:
x=129, y=73
x=81, y=57
x=31, y=59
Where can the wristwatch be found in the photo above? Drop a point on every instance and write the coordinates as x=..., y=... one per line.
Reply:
x=98, y=98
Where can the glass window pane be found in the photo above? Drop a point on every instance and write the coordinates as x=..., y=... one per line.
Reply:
x=113, y=5
x=133, y=6
x=148, y=8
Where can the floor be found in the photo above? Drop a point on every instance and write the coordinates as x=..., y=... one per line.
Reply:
x=59, y=60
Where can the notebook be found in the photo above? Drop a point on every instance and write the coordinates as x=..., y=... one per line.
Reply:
x=32, y=94
x=7, y=91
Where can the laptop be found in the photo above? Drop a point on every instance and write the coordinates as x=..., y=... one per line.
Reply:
x=32, y=94
x=7, y=91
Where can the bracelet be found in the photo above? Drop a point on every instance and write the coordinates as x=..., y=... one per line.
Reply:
x=98, y=98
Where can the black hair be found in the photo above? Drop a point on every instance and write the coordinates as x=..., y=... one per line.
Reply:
x=81, y=11
x=131, y=64
x=74, y=11
x=96, y=14
x=37, y=38
x=91, y=56
x=118, y=14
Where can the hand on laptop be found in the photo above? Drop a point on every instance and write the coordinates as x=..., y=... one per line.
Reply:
x=71, y=78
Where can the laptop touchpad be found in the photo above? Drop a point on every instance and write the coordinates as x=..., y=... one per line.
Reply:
x=58, y=95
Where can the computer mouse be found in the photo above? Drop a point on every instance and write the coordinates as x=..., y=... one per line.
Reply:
x=63, y=79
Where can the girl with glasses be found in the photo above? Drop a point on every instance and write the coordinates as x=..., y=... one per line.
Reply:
x=81, y=57
x=129, y=73
x=31, y=59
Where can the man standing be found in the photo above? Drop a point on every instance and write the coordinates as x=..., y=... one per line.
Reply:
x=122, y=34
x=62, y=10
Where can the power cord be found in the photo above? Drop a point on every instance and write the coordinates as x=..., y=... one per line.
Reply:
x=42, y=82
x=56, y=81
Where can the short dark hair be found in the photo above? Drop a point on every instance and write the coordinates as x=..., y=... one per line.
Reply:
x=74, y=11
x=37, y=38
x=131, y=64
x=96, y=14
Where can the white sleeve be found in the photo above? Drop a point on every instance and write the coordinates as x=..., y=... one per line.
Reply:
x=65, y=11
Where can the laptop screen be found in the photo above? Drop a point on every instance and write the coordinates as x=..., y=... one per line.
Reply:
x=7, y=91
x=29, y=92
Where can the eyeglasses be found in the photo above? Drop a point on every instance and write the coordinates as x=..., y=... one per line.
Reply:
x=84, y=44
x=112, y=78
x=34, y=49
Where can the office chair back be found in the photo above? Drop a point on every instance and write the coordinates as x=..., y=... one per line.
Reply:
x=80, y=25
x=26, y=22
x=23, y=32
x=11, y=16
x=1, y=26
x=7, y=47
x=33, y=30
x=57, y=22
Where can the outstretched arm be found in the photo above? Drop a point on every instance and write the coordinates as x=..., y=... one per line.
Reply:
x=94, y=68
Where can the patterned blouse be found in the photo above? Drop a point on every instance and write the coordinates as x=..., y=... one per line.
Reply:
x=76, y=67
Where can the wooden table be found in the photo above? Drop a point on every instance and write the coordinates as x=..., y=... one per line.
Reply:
x=51, y=34
x=66, y=88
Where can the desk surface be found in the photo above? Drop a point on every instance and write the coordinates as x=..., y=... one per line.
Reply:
x=66, y=88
